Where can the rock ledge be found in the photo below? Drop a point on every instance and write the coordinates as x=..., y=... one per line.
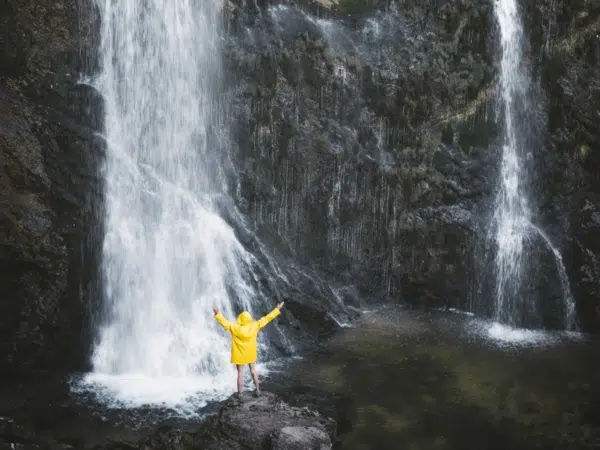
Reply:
x=269, y=422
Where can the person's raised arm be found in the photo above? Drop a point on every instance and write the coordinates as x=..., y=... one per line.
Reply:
x=222, y=320
x=263, y=321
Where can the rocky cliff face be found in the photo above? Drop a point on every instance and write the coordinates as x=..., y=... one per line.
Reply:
x=368, y=144
x=360, y=140
x=569, y=183
x=50, y=188
x=366, y=152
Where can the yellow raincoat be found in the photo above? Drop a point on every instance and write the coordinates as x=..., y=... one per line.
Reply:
x=244, y=333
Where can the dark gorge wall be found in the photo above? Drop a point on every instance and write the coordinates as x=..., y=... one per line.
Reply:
x=568, y=47
x=49, y=185
x=369, y=146
x=366, y=151
x=361, y=141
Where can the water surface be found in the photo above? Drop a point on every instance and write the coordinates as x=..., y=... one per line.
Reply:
x=439, y=380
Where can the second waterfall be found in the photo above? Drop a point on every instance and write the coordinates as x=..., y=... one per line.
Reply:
x=168, y=257
x=513, y=223
x=512, y=215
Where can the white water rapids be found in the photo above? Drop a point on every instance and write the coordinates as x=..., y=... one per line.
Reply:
x=168, y=257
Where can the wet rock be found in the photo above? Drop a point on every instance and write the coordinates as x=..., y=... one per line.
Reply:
x=567, y=184
x=300, y=438
x=368, y=149
x=246, y=423
x=50, y=190
x=268, y=422
x=340, y=135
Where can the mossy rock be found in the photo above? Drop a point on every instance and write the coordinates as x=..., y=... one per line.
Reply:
x=356, y=6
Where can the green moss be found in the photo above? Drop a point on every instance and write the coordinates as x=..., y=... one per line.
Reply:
x=356, y=6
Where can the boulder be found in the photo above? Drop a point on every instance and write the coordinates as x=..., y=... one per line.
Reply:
x=300, y=438
x=269, y=422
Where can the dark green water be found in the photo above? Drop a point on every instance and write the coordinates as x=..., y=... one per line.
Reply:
x=402, y=380
x=437, y=381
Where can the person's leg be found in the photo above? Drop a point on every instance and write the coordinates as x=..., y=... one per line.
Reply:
x=240, y=378
x=254, y=377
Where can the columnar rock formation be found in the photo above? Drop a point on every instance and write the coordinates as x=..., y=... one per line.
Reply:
x=366, y=153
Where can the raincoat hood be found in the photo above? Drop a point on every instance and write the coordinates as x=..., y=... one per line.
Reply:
x=244, y=318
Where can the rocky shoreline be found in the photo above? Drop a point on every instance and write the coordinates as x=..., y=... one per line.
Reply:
x=240, y=423
x=399, y=376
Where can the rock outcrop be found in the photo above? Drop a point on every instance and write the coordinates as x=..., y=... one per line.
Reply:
x=266, y=422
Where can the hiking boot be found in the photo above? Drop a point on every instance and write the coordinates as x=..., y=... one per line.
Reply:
x=256, y=392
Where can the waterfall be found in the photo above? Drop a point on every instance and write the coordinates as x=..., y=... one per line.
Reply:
x=513, y=224
x=512, y=209
x=168, y=257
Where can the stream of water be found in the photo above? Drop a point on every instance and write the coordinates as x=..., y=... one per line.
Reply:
x=168, y=257
x=513, y=224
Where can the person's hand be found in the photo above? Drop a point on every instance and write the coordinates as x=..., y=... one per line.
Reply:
x=216, y=311
x=280, y=305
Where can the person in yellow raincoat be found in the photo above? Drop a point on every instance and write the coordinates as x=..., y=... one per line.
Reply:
x=243, y=341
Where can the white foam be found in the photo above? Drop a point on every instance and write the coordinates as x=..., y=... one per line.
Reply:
x=184, y=395
x=168, y=256
x=135, y=390
x=505, y=335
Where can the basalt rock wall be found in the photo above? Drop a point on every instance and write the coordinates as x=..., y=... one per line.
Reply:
x=364, y=140
x=365, y=149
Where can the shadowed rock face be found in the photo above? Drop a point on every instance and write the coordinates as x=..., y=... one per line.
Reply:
x=359, y=141
x=50, y=191
x=366, y=154
x=368, y=145
x=569, y=180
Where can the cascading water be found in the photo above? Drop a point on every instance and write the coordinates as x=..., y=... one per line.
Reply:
x=168, y=257
x=512, y=209
x=513, y=216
